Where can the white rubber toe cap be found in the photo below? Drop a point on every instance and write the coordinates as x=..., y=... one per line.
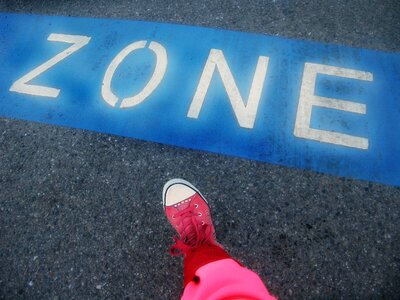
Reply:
x=177, y=193
x=177, y=190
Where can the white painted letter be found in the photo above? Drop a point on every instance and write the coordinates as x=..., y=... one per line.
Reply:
x=154, y=81
x=308, y=99
x=245, y=114
x=22, y=86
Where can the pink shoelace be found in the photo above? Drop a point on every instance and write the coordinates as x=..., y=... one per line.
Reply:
x=194, y=233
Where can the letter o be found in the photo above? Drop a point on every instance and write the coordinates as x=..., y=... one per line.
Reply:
x=158, y=74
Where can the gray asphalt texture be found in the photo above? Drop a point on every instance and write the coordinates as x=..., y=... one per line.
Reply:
x=81, y=214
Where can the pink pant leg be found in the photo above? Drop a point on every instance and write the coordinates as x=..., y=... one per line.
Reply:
x=226, y=279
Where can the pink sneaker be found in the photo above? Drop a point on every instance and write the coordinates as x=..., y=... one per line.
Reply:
x=188, y=212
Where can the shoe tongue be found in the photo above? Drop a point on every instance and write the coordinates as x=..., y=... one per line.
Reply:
x=190, y=233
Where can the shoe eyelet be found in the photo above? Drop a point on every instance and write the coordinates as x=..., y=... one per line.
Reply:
x=173, y=216
x=202, y=223
x=200, y=214
x=196, y=205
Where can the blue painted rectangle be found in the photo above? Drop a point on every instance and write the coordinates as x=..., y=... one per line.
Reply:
x=162, y=117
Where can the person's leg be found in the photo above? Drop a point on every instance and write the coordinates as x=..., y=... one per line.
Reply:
x=209, y=271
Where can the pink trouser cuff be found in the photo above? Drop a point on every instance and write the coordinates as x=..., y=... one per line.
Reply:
x=198, y=257
x=226, y=279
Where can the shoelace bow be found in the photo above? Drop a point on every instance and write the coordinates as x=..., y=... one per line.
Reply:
x=195, y=234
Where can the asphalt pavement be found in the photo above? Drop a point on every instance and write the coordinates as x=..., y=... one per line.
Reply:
x=81, y=214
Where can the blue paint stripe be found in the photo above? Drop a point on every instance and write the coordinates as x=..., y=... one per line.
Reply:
x=162, y=117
